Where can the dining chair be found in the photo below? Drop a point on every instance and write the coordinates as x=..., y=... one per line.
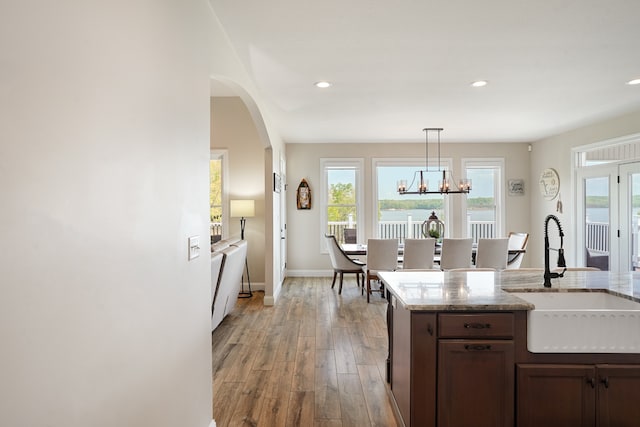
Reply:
x=382, y=255
x=341, y=263
x=492, y=253
x=418, y=254
x=455, y=253
x=350, y=235
x=517, y=241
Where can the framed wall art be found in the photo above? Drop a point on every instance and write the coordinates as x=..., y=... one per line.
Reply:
x=549, y=183
x=303, y=195
x=516, y=187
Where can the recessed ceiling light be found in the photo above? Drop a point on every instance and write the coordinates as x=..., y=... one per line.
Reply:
x=479, y=83
x=323, y=85
x=634, y=82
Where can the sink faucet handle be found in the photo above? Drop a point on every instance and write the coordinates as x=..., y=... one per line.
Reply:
x=561, y=261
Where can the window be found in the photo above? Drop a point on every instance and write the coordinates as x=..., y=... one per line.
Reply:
x=341, y=198
x=401, y=216
x=483, y=208
x=217, y=194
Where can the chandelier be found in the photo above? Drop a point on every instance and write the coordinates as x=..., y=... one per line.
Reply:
x=447, y=185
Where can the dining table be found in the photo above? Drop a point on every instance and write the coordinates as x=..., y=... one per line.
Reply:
x=359, y=249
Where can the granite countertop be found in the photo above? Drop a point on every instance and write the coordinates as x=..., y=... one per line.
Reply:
x=488, y=290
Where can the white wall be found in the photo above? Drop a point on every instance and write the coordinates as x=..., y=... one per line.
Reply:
x=555, y=152
x=104, y=146
x=303, y=161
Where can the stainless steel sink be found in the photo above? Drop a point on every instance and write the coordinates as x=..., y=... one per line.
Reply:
x=582, y=322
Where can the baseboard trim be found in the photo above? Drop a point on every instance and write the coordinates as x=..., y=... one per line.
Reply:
x=309, y=273
x=255, y=286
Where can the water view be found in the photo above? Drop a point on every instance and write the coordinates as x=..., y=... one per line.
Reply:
x=593, y=214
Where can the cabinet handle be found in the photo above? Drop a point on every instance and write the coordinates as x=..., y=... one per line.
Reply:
x=605, y=381
x=477, y=347
x=592, y=382
x=430, y=329
x=477, y=325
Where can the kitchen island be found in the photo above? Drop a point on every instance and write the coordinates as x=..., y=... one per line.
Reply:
x=458, y=354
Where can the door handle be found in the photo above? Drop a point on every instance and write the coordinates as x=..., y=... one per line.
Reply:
x=477, y=347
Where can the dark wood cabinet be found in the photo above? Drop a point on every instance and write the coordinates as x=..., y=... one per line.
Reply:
x=578, y=395
x=475, y=383
x=472, y=368
x=452, y=369
x=555, y=395
x=618, y=395
x=413, y=366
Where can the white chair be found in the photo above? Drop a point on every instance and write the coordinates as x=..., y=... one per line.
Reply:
x=341, y=262
x=492, y=253
x=517, y=241
x=382, y=255
x=456, y=253
x=418, y=254
x=229, y=282
x=217, y=259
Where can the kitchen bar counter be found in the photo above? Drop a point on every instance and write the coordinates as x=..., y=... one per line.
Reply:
x=487, y=290
x=458, y=353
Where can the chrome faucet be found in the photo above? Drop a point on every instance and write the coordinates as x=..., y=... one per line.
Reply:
x=548, y=275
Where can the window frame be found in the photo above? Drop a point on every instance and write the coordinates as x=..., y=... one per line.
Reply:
x=499, y=190
x=355, y=163
x=418, y=164
x=223, y=155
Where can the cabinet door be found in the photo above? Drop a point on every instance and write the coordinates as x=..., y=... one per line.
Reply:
x=556, y=395
x=618, y=395
x=401, y=360
x=475, y=383
x=423, y=369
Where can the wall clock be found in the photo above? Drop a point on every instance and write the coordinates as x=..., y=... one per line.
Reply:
x=549, y=184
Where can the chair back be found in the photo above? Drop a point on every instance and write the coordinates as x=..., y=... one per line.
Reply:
x=350, y=235
x=217, y=259
x=229, y=282
x=418, y=253
x=456, y=253
x=517, y=241
x=382, y=254
x=339, y=260
x=492, y=253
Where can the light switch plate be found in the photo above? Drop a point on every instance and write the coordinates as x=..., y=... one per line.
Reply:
x=194, y=247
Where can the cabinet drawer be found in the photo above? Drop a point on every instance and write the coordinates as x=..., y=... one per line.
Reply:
x=477, y=325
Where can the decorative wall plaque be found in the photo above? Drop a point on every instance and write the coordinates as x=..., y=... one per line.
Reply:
x=304, y=195
x=549, y=184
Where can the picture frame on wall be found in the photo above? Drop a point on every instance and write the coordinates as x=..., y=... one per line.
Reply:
x=303, y=195
x=516, y=187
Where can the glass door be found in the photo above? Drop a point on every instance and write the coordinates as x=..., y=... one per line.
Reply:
x=629, y=217
x=597, y=213
x=608, y=213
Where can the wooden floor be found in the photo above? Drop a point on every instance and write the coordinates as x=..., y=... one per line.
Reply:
x=315, y=359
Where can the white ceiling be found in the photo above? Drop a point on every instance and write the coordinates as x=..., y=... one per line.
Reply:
x=399, y=66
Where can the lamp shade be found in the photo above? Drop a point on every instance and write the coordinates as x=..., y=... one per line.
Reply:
x=242, y=208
